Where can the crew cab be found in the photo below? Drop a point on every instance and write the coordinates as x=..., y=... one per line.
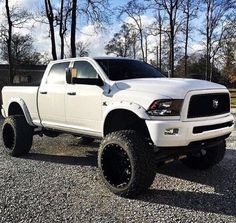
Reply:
x=141, y=117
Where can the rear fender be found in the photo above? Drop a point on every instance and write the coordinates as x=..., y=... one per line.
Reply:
x=24, y=108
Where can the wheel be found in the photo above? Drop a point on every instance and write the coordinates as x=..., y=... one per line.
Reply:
x=126, y=163
x=206, y=158
x=17, y=135
x=86, y=140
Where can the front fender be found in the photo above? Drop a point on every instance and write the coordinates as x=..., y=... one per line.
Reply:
x=125, y=105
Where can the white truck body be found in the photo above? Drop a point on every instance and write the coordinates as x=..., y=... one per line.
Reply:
x=83, y=109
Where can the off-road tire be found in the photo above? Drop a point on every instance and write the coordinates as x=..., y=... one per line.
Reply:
x=138, y=155
x=212, y=157
x=17, y=135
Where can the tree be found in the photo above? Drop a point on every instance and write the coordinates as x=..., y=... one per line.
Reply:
x=9, y=39
x=229, y=69
x=124, y=42
x=22, y=50
x=172, y=9
x=51, y=18
x=94, y=11
x=16, y=18
x=134, y=10
x=216, y=14
x=228, y=51
x=190, y=8
x=82, y=48
x=73, y=28
x=196, y=68
x=62, y=19
x=160, y=25
x=67, y=15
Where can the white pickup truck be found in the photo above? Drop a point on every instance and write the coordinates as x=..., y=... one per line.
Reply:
x=142, y=117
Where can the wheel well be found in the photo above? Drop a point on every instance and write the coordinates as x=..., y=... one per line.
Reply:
x=122, y=119
x=15, y=109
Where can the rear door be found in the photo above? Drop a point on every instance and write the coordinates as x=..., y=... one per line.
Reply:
x=51, y=97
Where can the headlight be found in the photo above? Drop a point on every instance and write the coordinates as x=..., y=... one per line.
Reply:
x=165, y=107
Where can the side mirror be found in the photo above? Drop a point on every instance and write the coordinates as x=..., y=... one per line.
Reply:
x=68, y=76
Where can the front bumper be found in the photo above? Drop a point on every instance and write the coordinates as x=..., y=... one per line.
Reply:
x=186, y=134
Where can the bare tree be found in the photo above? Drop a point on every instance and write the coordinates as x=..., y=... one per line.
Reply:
x=123, y=43
x=160, y=25
x=22, y=50
x=51, y=19
x=157, y=29
x=73, y=28
x=134, y=10
x=62, y=19
x=216, y=13
x=95, y=11
x=172, y=10
x=16, y=18
x=190, y=8
x=9, y=39
x=82, y=48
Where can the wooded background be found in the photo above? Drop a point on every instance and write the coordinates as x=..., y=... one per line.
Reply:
x=166, y=41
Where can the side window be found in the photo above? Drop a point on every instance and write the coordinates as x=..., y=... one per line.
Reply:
x=85, y=70
x=57, y=74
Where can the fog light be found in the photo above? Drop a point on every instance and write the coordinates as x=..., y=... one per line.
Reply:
x=171, y=131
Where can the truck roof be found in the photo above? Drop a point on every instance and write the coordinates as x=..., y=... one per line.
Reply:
x=89, y=58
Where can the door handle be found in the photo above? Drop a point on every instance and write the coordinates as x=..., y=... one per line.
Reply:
x=43, y=92
x=71, y=93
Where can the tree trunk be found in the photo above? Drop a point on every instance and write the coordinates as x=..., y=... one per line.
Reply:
x=186, y=48
x=172, y=56
x=134, y=49
x=146, y=49
x=208, y=41
x=157, y=53
x=9, y=41
x=211, y=69
x=160, y=46
x=50, y=16
x=141, y=43
x=73, y=28
x=61, y=29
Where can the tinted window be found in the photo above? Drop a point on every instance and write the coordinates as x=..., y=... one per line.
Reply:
x=85, y=70
x=119, y=69
x=57, y=74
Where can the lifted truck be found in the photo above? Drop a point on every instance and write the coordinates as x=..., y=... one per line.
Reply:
x=142, y=117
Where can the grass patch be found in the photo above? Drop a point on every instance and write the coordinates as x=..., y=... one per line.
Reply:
x=233, y=101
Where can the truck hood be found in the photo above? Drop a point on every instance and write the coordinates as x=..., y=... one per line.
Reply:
x=168, y=87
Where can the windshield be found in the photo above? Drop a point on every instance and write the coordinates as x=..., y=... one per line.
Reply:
x=121, y=69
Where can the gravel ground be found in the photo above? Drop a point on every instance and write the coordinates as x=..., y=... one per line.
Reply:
x=59, y=182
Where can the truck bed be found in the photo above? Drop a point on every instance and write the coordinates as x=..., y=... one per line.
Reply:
x=28, y=94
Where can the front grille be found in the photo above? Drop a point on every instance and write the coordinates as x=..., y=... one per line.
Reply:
x=205, y=105
x=205, y=128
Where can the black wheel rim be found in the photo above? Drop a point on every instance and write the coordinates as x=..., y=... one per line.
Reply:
x=116, y=166
x=8, y=136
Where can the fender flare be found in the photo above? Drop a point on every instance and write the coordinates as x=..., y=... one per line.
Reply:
x=125, y=105
x=24, y=108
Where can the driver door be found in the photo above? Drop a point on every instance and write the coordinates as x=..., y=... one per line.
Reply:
x=83, y=102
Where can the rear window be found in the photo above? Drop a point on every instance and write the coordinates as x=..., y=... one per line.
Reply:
x=57, y=74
